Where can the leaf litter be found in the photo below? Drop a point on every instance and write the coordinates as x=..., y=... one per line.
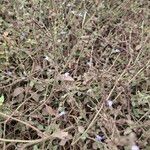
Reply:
x=78, y=71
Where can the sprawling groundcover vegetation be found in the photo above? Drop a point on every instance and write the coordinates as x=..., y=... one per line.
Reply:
x=74, y=75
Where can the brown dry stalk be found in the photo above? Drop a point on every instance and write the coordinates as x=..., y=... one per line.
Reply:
x=25, y=123
x=23, y=141
x=31, y=142
x=96, y=115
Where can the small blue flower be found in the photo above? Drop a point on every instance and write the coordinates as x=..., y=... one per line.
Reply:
x=9, y=73
x=46, y=58
x=99, y=138
x=62, y=113
x=135, y=147
x=109, y=103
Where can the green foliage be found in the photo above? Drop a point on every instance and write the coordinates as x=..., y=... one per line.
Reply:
x=2, y=99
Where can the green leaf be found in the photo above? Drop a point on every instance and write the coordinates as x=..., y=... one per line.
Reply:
x=84, y=136
x=2, y=99
x=40, y=127
x=35, y=147
x=32, y=83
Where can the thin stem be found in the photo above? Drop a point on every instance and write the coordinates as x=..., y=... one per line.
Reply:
x=25, y=123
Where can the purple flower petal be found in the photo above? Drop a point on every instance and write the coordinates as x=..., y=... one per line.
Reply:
x=109, y=103
x=99, y=138
x=135, y=147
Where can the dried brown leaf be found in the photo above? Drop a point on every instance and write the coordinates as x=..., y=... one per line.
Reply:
x=60, y=134
x=63, y=142
x=50, y=110
x=18, y=91
x=35, y=96
x=138, y=47
x=81, y=129
x=39, y=87
x=66, y=77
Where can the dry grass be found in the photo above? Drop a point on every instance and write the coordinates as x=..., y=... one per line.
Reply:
x=74, y=75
